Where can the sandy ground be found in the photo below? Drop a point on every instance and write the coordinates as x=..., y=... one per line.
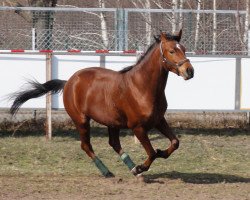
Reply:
x=95, y=187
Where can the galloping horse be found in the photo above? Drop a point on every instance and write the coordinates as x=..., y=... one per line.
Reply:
x=132, y=98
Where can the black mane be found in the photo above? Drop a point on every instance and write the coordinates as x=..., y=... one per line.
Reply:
x=157, y=40
x=172, y=37
x=126, y=69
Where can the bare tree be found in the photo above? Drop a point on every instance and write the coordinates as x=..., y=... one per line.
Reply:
x=197, y=25
x=33, y=3
x=104, y=28
x=181, y=14
x=102, y=17
x=160, y=5
x=43, y=21
x=174, y=15
x=214, y=27
x=242, y=29
x=146, y=16
x=247, y=24
x=148, y=22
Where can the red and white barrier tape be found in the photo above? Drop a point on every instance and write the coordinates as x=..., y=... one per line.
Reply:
x=98, y=51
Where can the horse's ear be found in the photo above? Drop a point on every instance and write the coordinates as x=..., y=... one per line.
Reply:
x=163, y=36
x=157, y=38
x=179, y=36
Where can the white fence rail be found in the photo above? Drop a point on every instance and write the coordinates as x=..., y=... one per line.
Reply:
x=220, y=83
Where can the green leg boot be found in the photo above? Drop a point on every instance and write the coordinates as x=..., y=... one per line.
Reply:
x=127, y=161
x=103, y=169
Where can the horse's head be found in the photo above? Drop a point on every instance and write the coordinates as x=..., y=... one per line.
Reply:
x=173, y=55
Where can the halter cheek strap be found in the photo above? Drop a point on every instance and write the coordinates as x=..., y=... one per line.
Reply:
x=165, y=60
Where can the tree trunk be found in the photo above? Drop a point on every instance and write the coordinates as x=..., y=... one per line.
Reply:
x=43, y=21
x=104, y=27
x=148, y=23
x=239, y=27
x=247, y=28
x=174, y=16
x=214, y=27
x=197, y=26
x=146, y=4
x=181, y=14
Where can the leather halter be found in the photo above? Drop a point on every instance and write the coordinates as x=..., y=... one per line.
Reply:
x=176, y=65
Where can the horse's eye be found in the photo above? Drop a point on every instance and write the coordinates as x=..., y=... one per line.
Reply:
x=171, y=51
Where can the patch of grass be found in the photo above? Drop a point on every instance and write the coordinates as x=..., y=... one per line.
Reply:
x=204, y=167
x=200, y=157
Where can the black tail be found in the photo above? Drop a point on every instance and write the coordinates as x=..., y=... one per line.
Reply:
x=36, y=90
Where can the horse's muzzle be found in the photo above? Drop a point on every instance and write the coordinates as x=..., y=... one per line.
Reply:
x=190, y=72
x=186, y=73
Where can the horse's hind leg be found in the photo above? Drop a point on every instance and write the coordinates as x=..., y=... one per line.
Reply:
x=114, y=141
x=164, y=128
x=84, y=130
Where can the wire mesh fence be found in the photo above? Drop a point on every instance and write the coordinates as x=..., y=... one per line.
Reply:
x=204, y=32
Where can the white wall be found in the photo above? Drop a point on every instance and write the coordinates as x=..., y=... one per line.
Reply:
x=117, y=63
x=212, y=88
x=64, y=66
x=245, y=84
x=14, y=70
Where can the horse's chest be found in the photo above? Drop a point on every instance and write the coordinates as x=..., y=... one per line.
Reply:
x=147, y=115
x=145, y=110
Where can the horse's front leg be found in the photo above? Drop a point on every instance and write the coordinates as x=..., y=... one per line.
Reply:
x=142, y=136
x=164, y=128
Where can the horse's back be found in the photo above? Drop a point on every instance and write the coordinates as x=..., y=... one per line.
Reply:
x=89, y=76
x=95, y=72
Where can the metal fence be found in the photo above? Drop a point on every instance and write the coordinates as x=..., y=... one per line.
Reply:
x=204, y=32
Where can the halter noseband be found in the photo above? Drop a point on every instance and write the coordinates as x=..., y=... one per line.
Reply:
x=165, y=60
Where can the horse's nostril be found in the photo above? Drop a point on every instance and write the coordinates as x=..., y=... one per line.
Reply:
x=190, y=72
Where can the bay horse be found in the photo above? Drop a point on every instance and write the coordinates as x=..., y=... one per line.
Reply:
x=132, y=98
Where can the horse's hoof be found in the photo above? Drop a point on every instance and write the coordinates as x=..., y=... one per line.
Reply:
x=109, y=175
x=137, y=170
x=133, y=171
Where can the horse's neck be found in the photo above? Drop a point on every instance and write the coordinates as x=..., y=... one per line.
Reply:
x=150, y=75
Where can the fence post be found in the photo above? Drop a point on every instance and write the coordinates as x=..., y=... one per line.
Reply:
x=48, y=125
x=125, y=31
x=33, y=39
x=121, y=26
x=237, y=84
x=248, y=33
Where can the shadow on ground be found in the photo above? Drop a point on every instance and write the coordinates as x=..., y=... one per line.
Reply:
x=197, y=178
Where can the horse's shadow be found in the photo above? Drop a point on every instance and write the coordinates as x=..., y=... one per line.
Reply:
x=197, y=178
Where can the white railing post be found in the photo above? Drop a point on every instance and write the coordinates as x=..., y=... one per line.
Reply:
x=33, y=39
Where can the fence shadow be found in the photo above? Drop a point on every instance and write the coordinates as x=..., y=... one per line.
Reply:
x=70, y=133
x=103, y=132
x=66, y=128
x=213, y=131
x=231, y=132
x=197, y=178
